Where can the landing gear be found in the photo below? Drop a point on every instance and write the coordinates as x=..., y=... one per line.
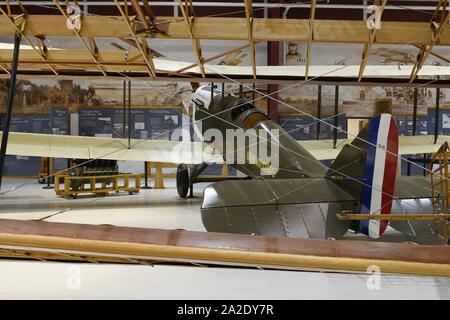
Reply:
x=183, y=183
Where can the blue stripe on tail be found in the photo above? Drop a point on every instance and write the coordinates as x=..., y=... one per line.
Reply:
x=366, y=195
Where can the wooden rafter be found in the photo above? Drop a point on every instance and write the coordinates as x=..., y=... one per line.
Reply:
x=21, y=6
x=42, y=46
x=21, y=30
x=93, y=46
x=439, y=23
x=220, y=28
x=214, y=57
x=148, y=18
x=93, y=50
x=310, y=37
x=137, y=7
x=79, y=59
x=4, y=69
x=249, y=17
x=133, y=44
x=372, y=36
x=146, y=54
x=443, y=58
x=189, y=24
x=149, y=11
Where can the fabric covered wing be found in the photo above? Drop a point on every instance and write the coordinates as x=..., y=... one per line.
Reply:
x=413, y=196
x=412, y=187
x=61, y=146
x=324, y=149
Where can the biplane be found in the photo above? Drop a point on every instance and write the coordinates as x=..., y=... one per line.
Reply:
x=303, y=198
x=281, y=213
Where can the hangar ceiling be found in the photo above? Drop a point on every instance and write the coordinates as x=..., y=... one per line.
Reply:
x=117, y=39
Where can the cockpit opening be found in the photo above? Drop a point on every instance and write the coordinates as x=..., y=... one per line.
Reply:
x=239, y=107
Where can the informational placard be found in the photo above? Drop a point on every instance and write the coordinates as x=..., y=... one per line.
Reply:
x=96, y=122
x=162, y=122
x=31, y=123
x=299, y=127
x=405, y=125
x=327, y=127
x=55, y=123
x=145, y=123
x=59, y=121
x=443, y=124
x=305, y=128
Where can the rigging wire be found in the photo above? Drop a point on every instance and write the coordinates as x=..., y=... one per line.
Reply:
x=318, y=120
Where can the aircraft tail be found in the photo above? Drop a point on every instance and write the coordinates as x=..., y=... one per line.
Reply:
x=367, y=169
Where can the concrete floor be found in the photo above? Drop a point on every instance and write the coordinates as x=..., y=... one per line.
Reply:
x=163, y=209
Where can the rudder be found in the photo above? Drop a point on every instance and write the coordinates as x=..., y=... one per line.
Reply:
x=367, y=168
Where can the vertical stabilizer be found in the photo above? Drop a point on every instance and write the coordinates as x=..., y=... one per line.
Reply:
x=367, y=168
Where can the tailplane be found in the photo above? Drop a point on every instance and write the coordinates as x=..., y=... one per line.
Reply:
x=367, y=169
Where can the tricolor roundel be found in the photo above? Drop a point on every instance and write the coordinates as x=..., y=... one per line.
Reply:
x=379, y=172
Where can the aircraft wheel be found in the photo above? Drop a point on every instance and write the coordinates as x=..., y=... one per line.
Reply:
x=182, y=180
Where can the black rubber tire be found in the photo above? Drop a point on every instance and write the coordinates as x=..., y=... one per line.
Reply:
x=182, y=180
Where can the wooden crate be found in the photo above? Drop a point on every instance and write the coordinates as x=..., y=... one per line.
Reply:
x=103, y=189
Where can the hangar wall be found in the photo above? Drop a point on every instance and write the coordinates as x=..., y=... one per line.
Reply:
x=157, y=107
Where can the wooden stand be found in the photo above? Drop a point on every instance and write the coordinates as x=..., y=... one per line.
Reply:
x=93, y=181
x=440, y=188
x=46, y=169
x=159, y=175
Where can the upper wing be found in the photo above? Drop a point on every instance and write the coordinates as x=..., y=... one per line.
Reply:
x=294, y=71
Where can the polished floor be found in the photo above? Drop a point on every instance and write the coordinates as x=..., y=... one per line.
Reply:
x=154, y=208
x=25, y=199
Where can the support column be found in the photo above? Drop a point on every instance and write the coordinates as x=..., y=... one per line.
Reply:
x=319, y=110
x=436, y=115
x=408, y=166
x=124, y=120
x=336, y=112
x=212, y=94
x=415, y=112
x=146, y=170
x=129, y=114
x=254, y=92
x=273, y=59
x=49, y=173
x=10, y=103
